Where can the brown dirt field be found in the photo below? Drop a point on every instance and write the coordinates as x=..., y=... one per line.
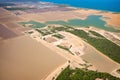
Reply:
x=23, y=58
x=6, y=33
x=7, y=16
x=18, y=29
x=3, y=12
x=10, y=18
x=13, y=25
x=24, y=29
x=50, y=39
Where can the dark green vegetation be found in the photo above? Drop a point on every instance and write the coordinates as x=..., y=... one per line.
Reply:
x=118, y=71
x=79, y=74
x=43, y=32
x=58, y=36
x=65, y=48
x=59, y=28
x=22, y=9
x=34, y=24
x=104, y=45
x=96, y=34
x=30, y=32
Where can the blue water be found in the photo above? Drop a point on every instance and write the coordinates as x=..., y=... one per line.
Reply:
x=107, y=5
x=92, y=20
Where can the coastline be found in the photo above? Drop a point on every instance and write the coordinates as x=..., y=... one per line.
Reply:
x=76, y=7
x=100, y=10
x=67, y=5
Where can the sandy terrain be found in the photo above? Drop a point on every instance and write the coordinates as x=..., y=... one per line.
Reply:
x=59, y=15
x=87, y=12
x=13, y=25
x=53, y=16
x=4, y=12
x=18, y=29
x=115, y=73
x=9, y=21
x=6, y=33
x=114, y=19
x=10, y=18
x=77, y=45
x=50, y=39
x=7, y=16
x=22, y=58
x=56, y=72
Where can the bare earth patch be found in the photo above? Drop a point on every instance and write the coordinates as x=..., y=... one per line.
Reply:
x=23, y=58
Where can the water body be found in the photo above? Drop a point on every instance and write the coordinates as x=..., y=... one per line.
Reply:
x=92, y=20
x=107, y=5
